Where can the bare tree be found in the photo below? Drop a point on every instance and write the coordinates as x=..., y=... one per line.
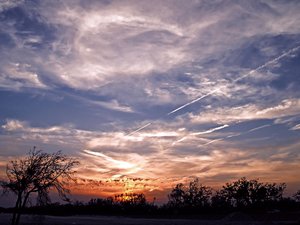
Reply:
x=38, y=173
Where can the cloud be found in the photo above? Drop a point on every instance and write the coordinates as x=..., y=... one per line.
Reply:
x=15, y=76
x=208, y=168
x=66, y=136
x=109, y=43
x=14, y=125
x=134, y=163
x=94, y=45
x=296, y=127
x=112, y=105
x=287, y=107
x=7, y=4
x=237, y=79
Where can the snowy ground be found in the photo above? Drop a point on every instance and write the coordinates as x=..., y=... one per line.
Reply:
x=110, y=220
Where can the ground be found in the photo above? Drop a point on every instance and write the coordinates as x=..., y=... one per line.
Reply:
x=111, y=220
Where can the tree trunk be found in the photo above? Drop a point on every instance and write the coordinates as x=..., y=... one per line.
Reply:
x=18, y=218
x=16, y=209
x=22, y=206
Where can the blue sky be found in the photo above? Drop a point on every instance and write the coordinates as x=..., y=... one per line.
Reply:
x=151, y=93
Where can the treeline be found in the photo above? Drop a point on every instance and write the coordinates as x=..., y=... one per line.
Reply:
x=243, y=194
x=191, y=199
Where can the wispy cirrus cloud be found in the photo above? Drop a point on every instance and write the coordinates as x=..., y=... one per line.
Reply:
x=296, y=127
x=287, y=107
x=93, y=45
x=15, y=76
x=133, y=163
x=7, y=4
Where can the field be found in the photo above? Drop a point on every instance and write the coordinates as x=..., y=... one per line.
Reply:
x=234, y=219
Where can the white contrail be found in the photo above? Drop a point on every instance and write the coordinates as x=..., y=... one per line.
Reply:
x=242, y=77
x=195, y=100
x=268, y=63
x=202, y=132
x=236, y=135
x=218, y=89
x=137, y=130
x=220, y=139
x=212, y=130
x=258, y=128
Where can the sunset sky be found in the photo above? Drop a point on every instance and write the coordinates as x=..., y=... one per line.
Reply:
x=147, y=94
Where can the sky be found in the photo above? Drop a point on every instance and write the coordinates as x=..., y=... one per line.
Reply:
x=148, y=94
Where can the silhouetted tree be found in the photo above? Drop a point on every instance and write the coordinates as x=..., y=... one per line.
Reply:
x=194, y=195
x=38, y=173
x=177, y=196
x=197, y=195
x=131, y=199
x=100, y=201
x=296, y=196
x=243, y=192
